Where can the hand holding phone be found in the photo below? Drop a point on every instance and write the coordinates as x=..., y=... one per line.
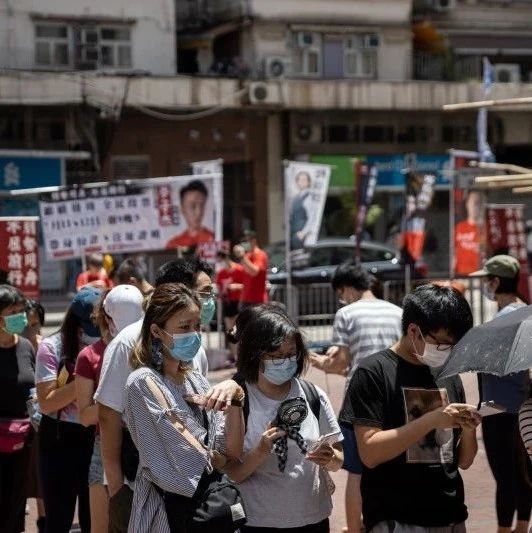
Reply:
x=490, y=408
x=329, y=438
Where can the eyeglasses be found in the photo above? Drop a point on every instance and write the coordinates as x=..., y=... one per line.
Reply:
x=205, y=295
x=278, y=359
x=440, y=346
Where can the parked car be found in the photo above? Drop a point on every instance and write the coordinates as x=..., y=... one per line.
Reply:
x=316, y=264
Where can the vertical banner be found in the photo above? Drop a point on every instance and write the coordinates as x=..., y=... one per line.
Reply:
x=306, y=186
x=419, y=194
x=484, y=149
x=366, y=177
x=19, y=261
x=506, y=234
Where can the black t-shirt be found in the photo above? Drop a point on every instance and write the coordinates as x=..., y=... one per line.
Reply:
x=17, y=365
x=422, y=486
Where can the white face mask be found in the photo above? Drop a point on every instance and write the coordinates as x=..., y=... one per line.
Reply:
x=432, y=356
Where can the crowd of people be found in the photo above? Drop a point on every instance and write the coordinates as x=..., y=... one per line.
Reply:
x=114, y=412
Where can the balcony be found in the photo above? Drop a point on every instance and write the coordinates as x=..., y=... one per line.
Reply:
x=199, y=14
x=431, y=67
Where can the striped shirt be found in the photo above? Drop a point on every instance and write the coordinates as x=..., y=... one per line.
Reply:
x=366, y=327
x=525, y=425
x=166, y=457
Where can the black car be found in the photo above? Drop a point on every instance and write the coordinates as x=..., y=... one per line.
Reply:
x=316, y=264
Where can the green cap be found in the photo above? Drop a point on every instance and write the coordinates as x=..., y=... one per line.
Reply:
x=503, y=266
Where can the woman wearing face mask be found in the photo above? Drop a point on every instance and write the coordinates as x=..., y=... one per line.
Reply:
x=116, y=309
x=16, y=380
x=281, y=476
x=169, y=466
x=65, y=445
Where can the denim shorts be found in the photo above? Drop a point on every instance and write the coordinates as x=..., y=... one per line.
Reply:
x=352, y=462
x=96, y=467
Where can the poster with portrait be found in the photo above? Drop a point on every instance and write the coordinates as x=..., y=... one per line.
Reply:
x=437, y=445
x=161, y=213
x=19, y=264
x=306, y=186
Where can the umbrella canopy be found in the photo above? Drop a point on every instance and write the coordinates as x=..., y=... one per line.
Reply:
x=502, y=346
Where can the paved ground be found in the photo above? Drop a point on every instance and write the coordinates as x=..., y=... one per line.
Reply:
x=478, y=480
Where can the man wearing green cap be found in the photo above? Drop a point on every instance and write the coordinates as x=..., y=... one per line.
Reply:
x=504, y=449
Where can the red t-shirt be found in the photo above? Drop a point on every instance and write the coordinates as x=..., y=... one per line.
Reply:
x=186, y=239
x=89, y=361
x=254, y=291
x=466, y=247
x=86, y=277
x=226, y=277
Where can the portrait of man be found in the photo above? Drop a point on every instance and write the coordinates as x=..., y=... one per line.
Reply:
x=193, y=199
x=300, y=211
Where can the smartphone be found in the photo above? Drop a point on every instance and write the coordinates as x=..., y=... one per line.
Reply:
x=331, y=438
x=490, y=408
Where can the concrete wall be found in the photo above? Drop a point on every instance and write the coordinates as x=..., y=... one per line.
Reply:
x=152, y=31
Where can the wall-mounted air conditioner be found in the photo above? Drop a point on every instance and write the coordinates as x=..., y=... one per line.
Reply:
x=507, y=73
x=443, y=5
x=305, y=39
x=307, y=134
x=265, y=93
x=276, y=66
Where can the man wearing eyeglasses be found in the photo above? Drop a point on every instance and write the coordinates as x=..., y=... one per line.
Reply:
x=414, y=431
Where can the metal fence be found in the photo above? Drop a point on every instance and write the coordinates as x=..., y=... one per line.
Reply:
x=316, y=304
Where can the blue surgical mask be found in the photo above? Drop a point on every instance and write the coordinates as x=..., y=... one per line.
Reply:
x=16, y=324
x=208, y=308
x=281, y=370
x=184, y=346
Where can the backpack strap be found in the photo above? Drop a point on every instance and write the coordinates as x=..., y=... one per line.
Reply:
x=312, y=396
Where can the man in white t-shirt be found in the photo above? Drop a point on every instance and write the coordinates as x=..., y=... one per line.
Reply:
x=109, y=395
x=363, y=326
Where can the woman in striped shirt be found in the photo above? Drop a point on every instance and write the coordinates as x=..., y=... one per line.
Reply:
x=168, y=463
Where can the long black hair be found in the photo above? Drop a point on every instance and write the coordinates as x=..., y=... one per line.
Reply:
x=9, y=296
x=70, y=336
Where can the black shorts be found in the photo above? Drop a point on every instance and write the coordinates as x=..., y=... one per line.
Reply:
x=230, y=308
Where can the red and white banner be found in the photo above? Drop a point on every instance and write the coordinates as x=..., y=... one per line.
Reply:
x=506, y=234
x=20, y=258
x=208, y=250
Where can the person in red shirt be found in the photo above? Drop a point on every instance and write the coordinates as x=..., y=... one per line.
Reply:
x=230, y=282
x=255, y=264
x=95, y=275
x=193, y=201
x=467, y=235
x=116, y=309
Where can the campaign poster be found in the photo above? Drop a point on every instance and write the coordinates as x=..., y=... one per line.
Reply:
x=366, y=183
x=306, y=186
x=170, y=213
x=419, y=194
x=506, y=234
x=208, y=250
x=19, y=264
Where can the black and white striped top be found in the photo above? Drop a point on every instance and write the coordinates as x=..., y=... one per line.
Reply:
x=166, y=457
x=525, y=425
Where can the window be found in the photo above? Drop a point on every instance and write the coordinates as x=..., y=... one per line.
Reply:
x=115, y=47
x=52, y=45
x=378, y=134
x=360, y=55
x=307, y=53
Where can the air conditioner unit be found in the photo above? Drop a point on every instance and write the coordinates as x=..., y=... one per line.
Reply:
x=507, y=73
x=264, y=93
x=276, y=66
x=443, y=5
x=372, y=40
x=307, y=133
x=305, y=39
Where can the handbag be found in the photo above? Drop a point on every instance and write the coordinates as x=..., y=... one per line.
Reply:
x=217, y=504
x=13, y=434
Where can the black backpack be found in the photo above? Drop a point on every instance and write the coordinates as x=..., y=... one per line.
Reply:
x=309, y=389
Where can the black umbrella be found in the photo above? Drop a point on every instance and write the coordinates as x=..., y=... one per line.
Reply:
x=502, y=346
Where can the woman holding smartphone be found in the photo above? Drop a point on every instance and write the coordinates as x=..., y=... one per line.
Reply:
x=282, y=476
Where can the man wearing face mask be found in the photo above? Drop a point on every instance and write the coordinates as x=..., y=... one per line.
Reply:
x=501, y=432
x=363, y=326
x=414, y=431
x=255, y=263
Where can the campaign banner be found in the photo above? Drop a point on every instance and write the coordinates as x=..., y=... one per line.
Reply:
x=306, y=186
x=208, y=250
x=366, y=183
x=506, y=234
x=20, y=261
x=419, y=194
x=171, y=213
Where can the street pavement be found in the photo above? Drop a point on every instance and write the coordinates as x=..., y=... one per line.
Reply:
x=479, y=485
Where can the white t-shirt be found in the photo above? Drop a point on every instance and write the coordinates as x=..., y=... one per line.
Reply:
x=298, y=496
x=116, y=367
